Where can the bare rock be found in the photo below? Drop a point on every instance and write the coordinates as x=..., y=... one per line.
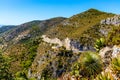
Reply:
x=116, y=51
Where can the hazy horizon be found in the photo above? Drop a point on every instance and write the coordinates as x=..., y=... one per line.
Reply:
x=15, y=12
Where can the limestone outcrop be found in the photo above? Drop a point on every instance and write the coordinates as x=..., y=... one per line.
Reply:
x=67, y=43
x=112, y=21
x=107, y=52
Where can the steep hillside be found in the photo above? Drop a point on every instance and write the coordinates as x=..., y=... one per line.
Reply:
x=28, y=30
x=63, y=48
x=3, y=30
x=21, y=43
x=101, y=30
x=42, y=25
x=74, y=26
x=6, y=28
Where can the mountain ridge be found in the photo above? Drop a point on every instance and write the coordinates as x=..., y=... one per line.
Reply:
x=60, y=48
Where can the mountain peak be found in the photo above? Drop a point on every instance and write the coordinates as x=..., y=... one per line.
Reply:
x=92, y=9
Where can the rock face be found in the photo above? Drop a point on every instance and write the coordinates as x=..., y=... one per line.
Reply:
x=112, y=21
x=108, y=53
x=67, y=43
x=116, y=51
x=22, y=36
x=103, y=51
x=52, y=41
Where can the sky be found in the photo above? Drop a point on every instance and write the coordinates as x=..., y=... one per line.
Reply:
x=15, y=12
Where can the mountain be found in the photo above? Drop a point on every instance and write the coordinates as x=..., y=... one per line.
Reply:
x=0, y=25
x=28, y=30
x=61, y=47
x=77, y=24
x=6, y=28
x=27, y=26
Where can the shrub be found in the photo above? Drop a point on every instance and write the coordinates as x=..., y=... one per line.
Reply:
x=76, y=69
x=20, y=78
x=26, y=64
x=91, y=64
x=32, y=79
x=105, y=76
x=100, y=43
x=115, y=64
x=20, y=75
x=4, y=68
x=113, y=37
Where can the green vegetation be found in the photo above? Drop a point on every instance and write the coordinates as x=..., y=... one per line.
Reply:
x=31, y=54
x=74, y=26
x=4, y=68
x=105, y=76
x=116, y=66
x=100, y=43
x=22, y=57
x=89, y=65
x=76, y=68
x=20, y=76
x=61, y=62
x=114, y=36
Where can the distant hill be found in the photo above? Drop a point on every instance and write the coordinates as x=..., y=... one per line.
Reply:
x=4, y=28
x=1, y=25
x=39, y=25
x=53, y=48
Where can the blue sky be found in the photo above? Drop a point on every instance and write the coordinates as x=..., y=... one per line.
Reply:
x=20, y=11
